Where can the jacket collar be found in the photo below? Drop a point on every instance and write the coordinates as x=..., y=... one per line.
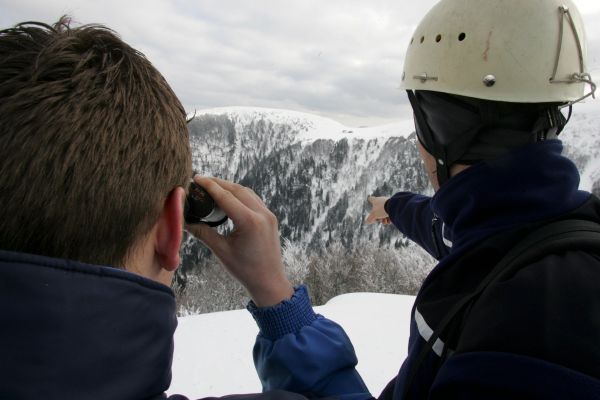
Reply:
x=528, y=185
x=74, y=330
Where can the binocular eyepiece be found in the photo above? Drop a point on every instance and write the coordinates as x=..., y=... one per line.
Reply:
x=200, y=208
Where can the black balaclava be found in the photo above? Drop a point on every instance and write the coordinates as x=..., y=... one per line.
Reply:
x=457, y=129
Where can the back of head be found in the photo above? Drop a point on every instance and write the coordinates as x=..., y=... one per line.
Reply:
x=500, y=65
x=92, y=140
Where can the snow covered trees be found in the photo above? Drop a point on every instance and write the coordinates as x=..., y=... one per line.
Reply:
x=328, y=273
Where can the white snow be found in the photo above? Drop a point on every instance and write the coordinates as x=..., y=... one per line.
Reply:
x=582, y=134
x=213, y=352
x=312, y=127
x=582, y=141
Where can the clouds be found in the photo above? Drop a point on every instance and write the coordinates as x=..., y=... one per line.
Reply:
x=338, y=58
x=309, y=56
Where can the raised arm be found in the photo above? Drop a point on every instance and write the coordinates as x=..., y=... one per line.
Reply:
x=296, y=350
x=411, y=213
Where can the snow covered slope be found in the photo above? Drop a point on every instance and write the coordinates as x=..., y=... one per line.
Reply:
x=213, y=352
x=315, y=174
x=582, y=144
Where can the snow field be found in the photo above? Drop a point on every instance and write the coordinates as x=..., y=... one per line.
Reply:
x=213, y=352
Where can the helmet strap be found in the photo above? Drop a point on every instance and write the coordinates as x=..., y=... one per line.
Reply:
x=569, y=115
x=436, y=149
x=550, y=123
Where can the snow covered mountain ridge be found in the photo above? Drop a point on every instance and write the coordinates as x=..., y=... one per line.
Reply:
x=315, y=174
x=581, y=136
x=310, y=127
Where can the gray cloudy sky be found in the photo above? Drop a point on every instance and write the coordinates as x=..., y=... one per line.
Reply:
x=338, y=58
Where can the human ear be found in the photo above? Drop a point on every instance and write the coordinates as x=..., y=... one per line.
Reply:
x=169, y=230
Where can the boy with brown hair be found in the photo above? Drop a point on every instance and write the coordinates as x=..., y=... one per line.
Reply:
x=77, y=105
x=95, y=157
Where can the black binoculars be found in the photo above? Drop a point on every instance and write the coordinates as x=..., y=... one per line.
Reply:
x=200, y=208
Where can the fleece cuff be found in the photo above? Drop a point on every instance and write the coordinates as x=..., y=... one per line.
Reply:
x=391, y=205
x=289, y=316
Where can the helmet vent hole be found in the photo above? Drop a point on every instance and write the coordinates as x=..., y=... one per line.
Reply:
x=422, y=39
x=462, y=36
x=438, y=38
x=412, y=40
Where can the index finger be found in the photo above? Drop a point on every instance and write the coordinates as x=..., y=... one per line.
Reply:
x=370, y=219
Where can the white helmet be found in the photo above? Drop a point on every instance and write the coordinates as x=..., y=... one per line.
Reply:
x=523, y=51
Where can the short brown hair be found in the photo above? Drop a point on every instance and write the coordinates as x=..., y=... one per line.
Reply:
x=92, y=141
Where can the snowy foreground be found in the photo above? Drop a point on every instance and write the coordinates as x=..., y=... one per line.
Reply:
x=213, y=352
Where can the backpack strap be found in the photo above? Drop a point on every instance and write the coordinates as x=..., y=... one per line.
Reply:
x=548, y=239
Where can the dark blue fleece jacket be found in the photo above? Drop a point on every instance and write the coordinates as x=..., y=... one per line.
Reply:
x=534, y=335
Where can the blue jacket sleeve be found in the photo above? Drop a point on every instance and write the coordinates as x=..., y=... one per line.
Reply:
x=412, y=214
x=299, y=351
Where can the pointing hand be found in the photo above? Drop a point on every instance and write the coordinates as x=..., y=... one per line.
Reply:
x=378, y=213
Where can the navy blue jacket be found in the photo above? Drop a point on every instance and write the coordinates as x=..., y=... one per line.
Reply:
x=70, y=330
x=533, y=335
x=77, y=331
